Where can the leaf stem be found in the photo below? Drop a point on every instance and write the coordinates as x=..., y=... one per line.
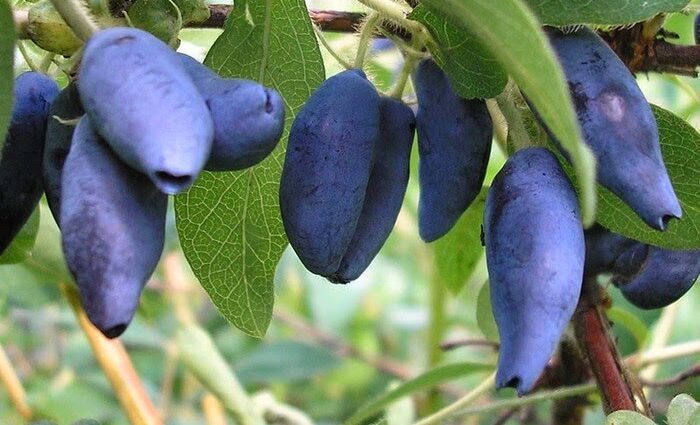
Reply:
x=409, y=64
x=500, y=125
x=439, y=416
x=319, y=34
x=77, y=16
x=46, y=62
x=27, y=57
x=516, y=129
x=366, y=34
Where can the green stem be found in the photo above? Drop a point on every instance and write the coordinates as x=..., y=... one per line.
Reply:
x=77, y=16
x=439, y=417
x=46, y=63
x=500, y=125
x=516, y=129
x=319, y=34
x=27, y=57
x=366, y=37
x=436, y=329
x=529, y=399
x=409, y=64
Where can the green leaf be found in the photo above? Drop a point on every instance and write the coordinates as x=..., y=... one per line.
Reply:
x=484, y=314
x=681, y=409
x=680, y=146
x=514, y=36
x=427, y=380
x=229, y=223
x=21, y=246
x=604, y=12
x=284, y=361
x=457, y=253
x=627, y=417
x=473, y=71
x=7, y=49
x=631, y=322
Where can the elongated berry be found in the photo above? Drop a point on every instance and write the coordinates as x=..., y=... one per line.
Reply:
x=618, y=125
x=112, y=224
x=653, y=277
x=20, y=159
x=143, y=103
x=454, y=143
x=59, y=134
x=535, y=256
x=329, y=159
x=385, y=190
x=248, y=118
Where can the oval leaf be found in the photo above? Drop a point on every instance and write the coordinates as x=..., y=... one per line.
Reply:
x=514, y=36
x=681, y=409
x=229, y=223
x=627, y=417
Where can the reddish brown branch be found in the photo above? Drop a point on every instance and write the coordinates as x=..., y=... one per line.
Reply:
x=326, y=20
x=643, y=53
x=593, y=335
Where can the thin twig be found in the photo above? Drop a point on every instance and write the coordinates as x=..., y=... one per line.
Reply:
x=686, y=374
x=505, y=416
x=339, y=347
x=213, y=410
x=117, y=366
x=441, y=415
x=458, y=343
x=14, y=387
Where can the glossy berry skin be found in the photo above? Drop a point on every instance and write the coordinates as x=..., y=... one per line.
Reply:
x=143, y=103
x=57, y=144
x=248, y=118
x=696, y=27
x=112, y=224
x=652, y=277
x=385, y=190
x=618, y=125
x=329, y=159
x=535, y=256
x=454, y=143
x=20, y=162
